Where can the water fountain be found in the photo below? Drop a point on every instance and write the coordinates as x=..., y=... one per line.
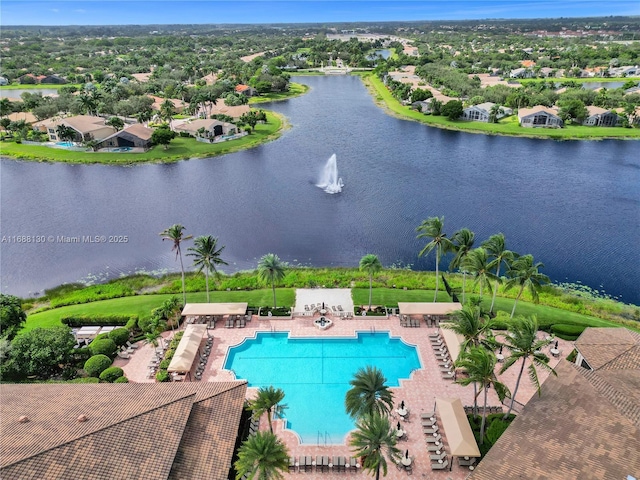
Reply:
x=329, y=180
x=323, y=323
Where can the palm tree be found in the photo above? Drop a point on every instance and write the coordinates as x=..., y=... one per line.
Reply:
x=523, y=343
x=169, y=308
x=472, y=325
x=262, y=456
x=463, y=242
x=368, y=394
x=167, y=110
x=271, y=270
x=432, y=228
x=174, y=234
x=5, y=107
x=66, y=133
x=370, y=264
x=206, y=256
x=495, y=247
x=374, y=441
x=480, y=364
x=267, y=401
x=477, y=262
x=524, y=273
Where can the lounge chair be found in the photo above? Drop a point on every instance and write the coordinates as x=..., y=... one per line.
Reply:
x=131, y=345
x=123, y=354
x=427, y=422
x=434, y=335
x=435, y=448
x=427, y=415
x=432, y=439
x=430, y=431
x=440, y=466
x=442, y=456
x=229, y=322
x=449, y=375
x=292, y=464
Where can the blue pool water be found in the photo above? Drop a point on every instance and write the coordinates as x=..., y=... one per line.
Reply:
x=64, y=144
x=315, y=373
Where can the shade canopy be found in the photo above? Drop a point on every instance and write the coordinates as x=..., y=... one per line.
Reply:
x=453, y=341
x=456, y=428
x=187, y=349
x=428, y=308
x=197, y=309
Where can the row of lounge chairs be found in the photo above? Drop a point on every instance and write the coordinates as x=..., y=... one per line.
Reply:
x=432, y=320
x=239, y=321
x=158, y=355
x=409, y=321
x=435, y=445
x=127, y=350
x=468, y=409
x=443, y=358
x=323, y=464
x=204, y=356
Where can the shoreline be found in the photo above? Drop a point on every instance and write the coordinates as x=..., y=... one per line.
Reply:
x=468, y=127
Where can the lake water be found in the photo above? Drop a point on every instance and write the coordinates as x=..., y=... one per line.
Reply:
x=16, y=93
x=574, y=205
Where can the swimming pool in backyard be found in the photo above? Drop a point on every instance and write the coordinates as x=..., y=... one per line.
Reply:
x=315, y=373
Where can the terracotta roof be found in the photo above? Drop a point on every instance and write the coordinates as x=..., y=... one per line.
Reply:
x=83, y=123
x=599, y=346
x=241, y=88
x=575, y=429
x=132, y=430
x=28, y=117
x=523, y=112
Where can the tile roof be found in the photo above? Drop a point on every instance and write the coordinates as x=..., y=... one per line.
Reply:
x=575, y=429
x=600, y=346
x=133, y=430
x=523, y=112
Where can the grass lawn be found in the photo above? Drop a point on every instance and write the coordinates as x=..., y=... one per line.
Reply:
x=295, y=90
x=525, y=81
x=179, y=149
x=39, y=86
x=507, y=126
x=142, y=305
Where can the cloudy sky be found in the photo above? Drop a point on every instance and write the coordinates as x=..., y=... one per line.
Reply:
x=117, y=12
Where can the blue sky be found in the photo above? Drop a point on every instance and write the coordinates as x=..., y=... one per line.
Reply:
x=117, y=12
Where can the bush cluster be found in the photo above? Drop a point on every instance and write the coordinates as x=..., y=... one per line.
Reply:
x=111, y=374
x=103, y=347
x=119, y=336
x=75, y=321
x=566, y=331
x=96, y=365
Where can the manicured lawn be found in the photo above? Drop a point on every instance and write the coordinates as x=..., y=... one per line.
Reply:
x=28, y=86
x=295, y=90
x=179, y=149
x=142, y=305
x=507, y=126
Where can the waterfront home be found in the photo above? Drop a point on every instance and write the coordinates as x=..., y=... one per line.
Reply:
x=482, y=112
x=133, y=136
x=539, y=116
x=206, y=128
x=245, y=90
x=601, y=117
x=133, y=431
x=423, y=106
x=87, y=127
x=522, y=73
x=235, y=112
x=585, y=423
x=178, y=105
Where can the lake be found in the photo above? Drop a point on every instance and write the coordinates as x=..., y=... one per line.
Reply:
x=18, y=92
x=574, y=205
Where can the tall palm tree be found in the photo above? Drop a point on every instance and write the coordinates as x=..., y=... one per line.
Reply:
x=271, y=270
x=175, y=235
x=65, y=132
x=495, y=247
x=374, y=441
x=432, y=228
x=523, y=343
x=169, y=308
x=477, y=262
x=267, y=401
x=524, y=273
x=368, y=394
x=206, y=256
x=463, y=243
x=262, y=457
x=5, y=107
x=370, y=263
x=167, y=110
x=480, y=364
x=472, y=325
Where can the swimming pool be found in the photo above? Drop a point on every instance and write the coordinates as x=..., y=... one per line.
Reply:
x=315, y=373
x=64, y=144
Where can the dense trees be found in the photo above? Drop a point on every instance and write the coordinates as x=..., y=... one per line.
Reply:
x=11, y=316
x=41, y=352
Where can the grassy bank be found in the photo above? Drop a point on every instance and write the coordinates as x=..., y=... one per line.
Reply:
x=526, y=81
x=40, y=86
x=295, y=90
x=507, y=126
x=179, y=149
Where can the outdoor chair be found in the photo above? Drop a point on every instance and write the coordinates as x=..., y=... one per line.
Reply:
x=442, y=456
x=434, y=335
x=131, y=345
x=427, y=422
x=435, y=448
x=123, y=355
x=449, y=375
x=430, y=431
x=440, y=466
x=292, y=464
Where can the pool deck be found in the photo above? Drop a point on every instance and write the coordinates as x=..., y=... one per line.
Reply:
x=418, y=392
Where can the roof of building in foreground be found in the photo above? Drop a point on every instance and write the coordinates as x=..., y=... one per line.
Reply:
x=585, y=424
x=127, y=431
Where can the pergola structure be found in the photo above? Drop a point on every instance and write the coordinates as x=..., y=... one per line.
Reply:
x=453, y=341
x=456, y=427
x=187, y=350
x=205, y=312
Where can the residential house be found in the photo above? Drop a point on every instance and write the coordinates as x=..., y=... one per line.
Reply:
x=586, y=421
x=134, y=136
x=141, y=77
x=482, y=112
x=522, y=73
x=31, y=78
x=539, y=116
x=221, y=108
x=245, y=90
x=423, y=106
x=601, y=117
x=547, y=71
x=87, y=128
x=27, y=117
x=129, y=431
x=625, y=71
x=53, y=79
x=178, y=105
x=212, y=128
x=3, y=81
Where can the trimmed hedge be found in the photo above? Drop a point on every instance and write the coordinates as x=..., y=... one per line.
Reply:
x=566, y=331
x=121, y=380
x=119, y=336
x=162, y=376
x=75, y=321
x=104, y=347
x=96, y=365
x=111, y=374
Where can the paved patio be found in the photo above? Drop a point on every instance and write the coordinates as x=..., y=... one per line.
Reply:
x=419, y=392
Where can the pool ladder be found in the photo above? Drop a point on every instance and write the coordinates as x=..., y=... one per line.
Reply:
x=373, y=329
x=323, y=437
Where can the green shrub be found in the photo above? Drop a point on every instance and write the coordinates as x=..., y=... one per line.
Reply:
x=119, y=336
x=132, y=324
x=111, y=374
x=168, y=355
x=162, y=376
x=75, y=321
x=567, y=332
x=495, y=430
x=96, y=365
x=147, y=324
x=102, y=336
x=164, y=364
x=121, y=380
x=572, y=356
x=104, y=347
